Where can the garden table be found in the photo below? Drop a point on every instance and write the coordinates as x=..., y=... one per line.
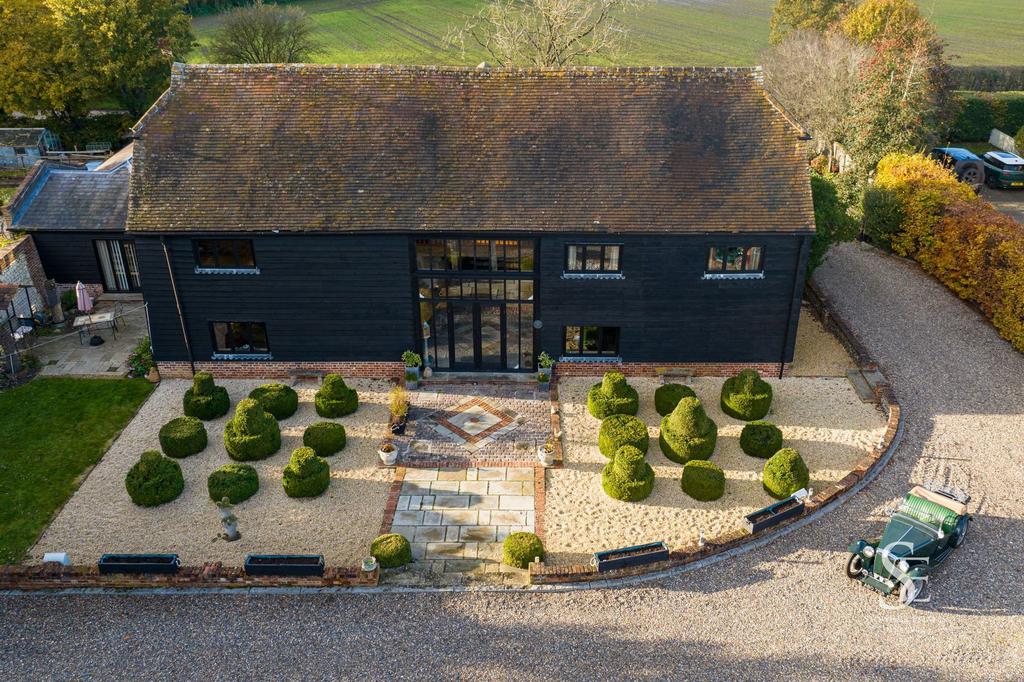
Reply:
x=86, y=323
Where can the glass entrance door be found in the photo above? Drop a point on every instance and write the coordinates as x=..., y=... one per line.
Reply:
x=477, y=336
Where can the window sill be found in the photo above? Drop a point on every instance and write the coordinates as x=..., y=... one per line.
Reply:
x=242, y=356
x=593, y=275
x=227, y=271
x=733, y=275
x=587, y=358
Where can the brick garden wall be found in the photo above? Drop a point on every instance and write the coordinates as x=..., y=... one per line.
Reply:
x=653, y=369
x=281, y=370
x=20, y=264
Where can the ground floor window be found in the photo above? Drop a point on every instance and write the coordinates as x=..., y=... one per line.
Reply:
x=591, y=341
x=118, y=265
x=734, y=259
x=240, y=338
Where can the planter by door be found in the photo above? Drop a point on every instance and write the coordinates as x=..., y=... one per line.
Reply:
x=388, y=459
x=284, y=564
x=139, y=563
x=547, y=458
x=626, y=557
x=398, y=425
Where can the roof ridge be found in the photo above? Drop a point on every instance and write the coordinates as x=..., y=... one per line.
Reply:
x=180, y=71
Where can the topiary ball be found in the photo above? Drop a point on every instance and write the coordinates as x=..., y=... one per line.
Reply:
x=279, y=400
x=612, y=396
x=667, y=396
x=521, y=548
x=154, y=480
x=335, y=398
x=746, y=396
x=237, y=482
x=183, y=436
x=326, y=438
x=761, y=439
x=688, y=433
x=205, y=400
x=391, y=550
x=621, y=429
x=784, y=473
x=702, y=480
x=306, y=474
x=252, y=433
x=628, y=476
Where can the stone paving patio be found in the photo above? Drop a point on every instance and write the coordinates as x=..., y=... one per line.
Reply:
x=66, y=355
x=457, y=519
x=462, y=422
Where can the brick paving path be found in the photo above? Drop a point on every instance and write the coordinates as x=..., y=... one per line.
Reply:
x=456, y=519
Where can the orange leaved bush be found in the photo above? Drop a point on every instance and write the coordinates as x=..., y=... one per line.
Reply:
x=963, y=241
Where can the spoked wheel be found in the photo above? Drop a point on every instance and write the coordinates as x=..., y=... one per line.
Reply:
x=962, y=535
x=910, y=590
x=855, y=566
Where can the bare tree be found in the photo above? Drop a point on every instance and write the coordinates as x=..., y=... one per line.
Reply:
x=546, y=33
x=816, y=77
x=264, y=34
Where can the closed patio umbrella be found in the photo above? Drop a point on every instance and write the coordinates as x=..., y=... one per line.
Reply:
x=84, y=300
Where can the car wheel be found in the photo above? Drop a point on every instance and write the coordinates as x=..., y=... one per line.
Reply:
x=910, y=590
x=961, y=537
x=854, y=567
x=971, y=176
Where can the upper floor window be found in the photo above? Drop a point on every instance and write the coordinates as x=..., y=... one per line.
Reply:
x=225, y=255
x=591, y=341
x=475, y=255
x=240, y=338
x=728, y=261
x=593, y=258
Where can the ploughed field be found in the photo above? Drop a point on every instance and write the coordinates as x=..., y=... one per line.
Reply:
x=666, y=32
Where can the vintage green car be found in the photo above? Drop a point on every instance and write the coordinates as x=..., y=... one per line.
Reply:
x=922, y=532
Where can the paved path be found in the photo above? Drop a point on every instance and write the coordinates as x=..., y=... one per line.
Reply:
x=1009, y=201
x=785, y=609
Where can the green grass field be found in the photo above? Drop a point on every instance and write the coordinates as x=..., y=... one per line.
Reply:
x=51, y=432
x=668, y=32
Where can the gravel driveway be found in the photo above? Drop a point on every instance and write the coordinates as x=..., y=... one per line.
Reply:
x=785, y=609
x=1009, y=201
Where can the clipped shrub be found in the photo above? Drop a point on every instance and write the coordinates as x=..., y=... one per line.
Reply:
x=205, y=400
x=746, y=396
x=521, y=548
x=326, y=438
x=667, y=396
x=785, y=473
x=628, y=476
x=306, y=474
x=703, y=480
x=154, y=480
x=979, y=112
x=251, y=433
x=761, y=439
x=237, y=482
x=391, y=550
x=688, y=433
x=279, y=400
x=183, y=436
x=621, y=429
x=612, y=396
x=1018, y=140
x=335, y=398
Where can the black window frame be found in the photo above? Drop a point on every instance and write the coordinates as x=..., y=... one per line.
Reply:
x=601, y=336
x=220, y=268
x=724, y=271
x=219, y=354
x=603, y=270
x=476, y=255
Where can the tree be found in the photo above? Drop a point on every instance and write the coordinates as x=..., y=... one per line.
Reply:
x=264, y=34
x=546, y=33
x=815, y=77
x=832, y=221
x=123, y=48
x=874, y=19
x=797, y=15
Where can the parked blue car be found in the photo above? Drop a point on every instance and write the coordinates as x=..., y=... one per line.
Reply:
x=967, y=165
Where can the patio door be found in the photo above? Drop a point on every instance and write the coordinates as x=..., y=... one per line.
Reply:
x=477, y=335
x=118, y=265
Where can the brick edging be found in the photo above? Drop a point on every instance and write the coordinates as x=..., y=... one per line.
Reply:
x=541, y=574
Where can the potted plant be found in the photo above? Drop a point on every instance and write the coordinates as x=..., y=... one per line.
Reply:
x=412, y=365
x=387, y=451
x=544, y=363
x=544, y=382
x=398, y=403
x=546, y=453
x=412, y=378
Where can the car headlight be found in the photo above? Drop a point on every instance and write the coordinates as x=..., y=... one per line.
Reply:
x=869, y=551
x=903, y=565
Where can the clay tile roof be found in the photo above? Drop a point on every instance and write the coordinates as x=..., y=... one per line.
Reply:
x=54, y=196
x=338, y=148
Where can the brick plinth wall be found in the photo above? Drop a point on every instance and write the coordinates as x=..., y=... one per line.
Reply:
x=95, y=289
x=57, y=577
x=654, y=369
x=280, y=370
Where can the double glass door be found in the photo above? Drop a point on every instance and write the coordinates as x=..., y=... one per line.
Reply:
x=118, y=265
x=478, y=332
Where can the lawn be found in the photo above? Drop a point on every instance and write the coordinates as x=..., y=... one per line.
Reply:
x=667, y=32
x=52, y=431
